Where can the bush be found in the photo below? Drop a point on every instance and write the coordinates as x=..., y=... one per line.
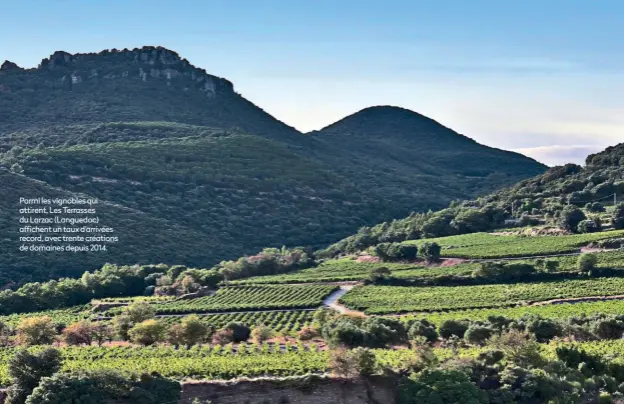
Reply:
x=453, y=327
x=351, y=363
x=589, y=226
x=586, y=262
x=595, y=207
x=240, y=331
x=440, y=386
x=396, y=251
x=478, y=334
x=261, y=333
x=377, y=275
x=423, y=328
x=344, y=331
x=430, y=251
x=223, y=337
x=617, y=218
x=382, y=331
x=308, y=333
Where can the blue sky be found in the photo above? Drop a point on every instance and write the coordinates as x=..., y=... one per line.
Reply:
x=543, y=77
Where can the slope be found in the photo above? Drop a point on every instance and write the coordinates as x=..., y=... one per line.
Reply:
x=147, y=131
x=539, y=199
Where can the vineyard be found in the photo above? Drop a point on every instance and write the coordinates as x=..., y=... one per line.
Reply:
x=280, y=321
x=251, y=297
x=400, y=299
x=555, y=311
x=484, y=245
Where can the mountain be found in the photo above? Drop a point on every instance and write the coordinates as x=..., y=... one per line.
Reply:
x=540, y=199
x=190, y=172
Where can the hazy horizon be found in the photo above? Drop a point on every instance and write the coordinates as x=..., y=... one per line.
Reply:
x=543, y=79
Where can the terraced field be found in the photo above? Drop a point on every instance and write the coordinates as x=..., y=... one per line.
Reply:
x=484, y=245
x=280, y=321
x=239, y=298
x=401, y=299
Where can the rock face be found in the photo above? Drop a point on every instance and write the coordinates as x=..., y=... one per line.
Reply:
x=315, y=390
x=144, y=64
x=8, y=65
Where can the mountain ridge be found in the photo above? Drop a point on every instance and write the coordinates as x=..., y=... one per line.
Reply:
x=144, y=129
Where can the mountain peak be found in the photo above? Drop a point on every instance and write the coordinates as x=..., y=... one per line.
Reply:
x=8, y=65
x=389, y=121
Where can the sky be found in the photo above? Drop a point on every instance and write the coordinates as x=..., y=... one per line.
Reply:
x=542, y=77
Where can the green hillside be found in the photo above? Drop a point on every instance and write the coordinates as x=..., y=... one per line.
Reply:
x=546, y=199
x=146, y=131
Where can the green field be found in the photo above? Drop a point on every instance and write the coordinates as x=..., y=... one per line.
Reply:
x=403, y=299
x=484, y=245
x=555, y=311
x=251, y=297
x=280, y=321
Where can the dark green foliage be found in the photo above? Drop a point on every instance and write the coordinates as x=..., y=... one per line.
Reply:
x=570, y=218
x=453, y=327
x=373, y=331
x=430, y=251
x=169, y=146
x=504, y=271
x=26, y=371
x=590, y=226
x=240, y=331
x=595, y=207
x=478, y=334
x=379, y=274
x=396, y=251
x=423, y=328
x=587, y=262
x=441, y=387
x=103, y=387
x=617, y=218
x=382, y=331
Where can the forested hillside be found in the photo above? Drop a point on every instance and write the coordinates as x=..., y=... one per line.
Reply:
x=147, y=132
x=571, y=197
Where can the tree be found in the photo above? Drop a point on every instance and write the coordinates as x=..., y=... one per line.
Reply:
x=617, y=218
x=439, y=387
x=223, y=337
x=26, y=371
x=586, y=262
x=105, y=386
x=570, y=217
x=36, y=331
x=102, y=332
x=80, y=333
x=121, y=325
x=519, y=348
x=382, y=331
x=379, y=274
x=193, y=330
x=430, y=251
x=590, y=226
x=147, y=332
x=139, y=312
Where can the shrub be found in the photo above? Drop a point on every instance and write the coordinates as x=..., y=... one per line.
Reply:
x=223, y=337
x=589, y=226
x=430, y=251
x=586, y=262
x=240, y=331
x=478, y=334
x=453, y=327
x=595, y=207
x=261, y=333
x=308, y=333
x=617, y=218
x=379, y=274
x=351, y=363
x=423, y=328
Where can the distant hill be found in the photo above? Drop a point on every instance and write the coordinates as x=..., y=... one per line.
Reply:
x=210, y=174
x=593, y=187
